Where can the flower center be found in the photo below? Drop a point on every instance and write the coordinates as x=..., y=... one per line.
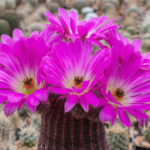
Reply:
x=28, y=83
x=78, y=81
x=118, y=94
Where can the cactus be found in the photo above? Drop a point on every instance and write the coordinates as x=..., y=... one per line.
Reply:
x=147, y=135
x=132, y=30
x=146, y=46
x=146, y=23
x=14, y=119
x=133, y=8
x=107, y=6
x=5, y=127
x=24, y=112
x=4, y=27
x=146, y=42
x=115, y=2
x=28, y=136
x=12, y=18
x=36, y=123
x=53, y=7
x=118, y=139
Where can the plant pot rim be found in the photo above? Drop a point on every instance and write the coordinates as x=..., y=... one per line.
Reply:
x=146, y=148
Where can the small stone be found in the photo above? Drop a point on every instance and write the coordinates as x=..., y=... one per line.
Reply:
x=18, y=2
x=86, y=10
x=40, y=11
x=42, y=1
x=133, y=8
x=23, y=11
x=132, y=30
x=138, y=140
x=107, y=6
x=37, y=15
x=2, y=6
x=75, y=10
x=59, y=2
x=53, y=7
x=90, y=15
x=32, y=2
x=148, y=5
x=48, y=1
x=35, y=26
x=114, y=2
x=79, y=4
x=10, y=4
x=146, y=36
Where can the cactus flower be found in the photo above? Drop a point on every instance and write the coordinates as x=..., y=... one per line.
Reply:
x=126, y=85
x=72, y=71
x=67, y=26
x=20, y=58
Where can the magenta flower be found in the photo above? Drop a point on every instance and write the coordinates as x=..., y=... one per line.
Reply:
x=20, y=58
x=73, y=72
x=113, y=37
x=125, y=87
x=67, y=26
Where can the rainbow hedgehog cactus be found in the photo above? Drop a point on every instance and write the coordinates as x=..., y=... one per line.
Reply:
x=56, y=74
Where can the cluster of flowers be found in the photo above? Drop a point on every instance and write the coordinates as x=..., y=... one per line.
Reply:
x=60, y=59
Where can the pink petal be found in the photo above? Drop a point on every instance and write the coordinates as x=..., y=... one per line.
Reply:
x=2, y=99
x=63, y=13
x=58, y=90
x=143, y=122
x=74, y=16
x=41, y=94
x=102, y=102
x=138, y=113
x=124, y=118
x=31, y=107
x=85, y=84
x=17, y=33
x=137, y=44
x=15, y=97
x=33, y=100
x=70, y=102
x=108, y=113
x=10, y=108
x=91, y=99
x=6, y=39
x=35, y=33
x=84, y=103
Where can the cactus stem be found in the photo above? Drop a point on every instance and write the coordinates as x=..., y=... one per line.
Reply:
x=61, y=131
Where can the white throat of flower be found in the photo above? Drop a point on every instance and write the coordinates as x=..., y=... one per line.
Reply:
x=25, y=84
